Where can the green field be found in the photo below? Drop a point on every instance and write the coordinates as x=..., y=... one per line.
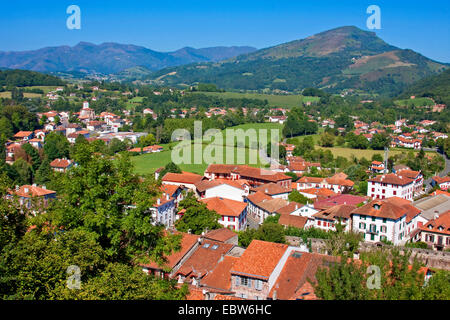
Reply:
x=366, y=153
x=417, y=102
x=287, y=101
x=148, y=163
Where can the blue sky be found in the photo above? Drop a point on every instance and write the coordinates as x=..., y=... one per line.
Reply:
x=169, y=25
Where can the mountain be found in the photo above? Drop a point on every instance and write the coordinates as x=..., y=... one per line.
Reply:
x=110, y=58
x=436, y=87
x=24, y=78
x=334, y=60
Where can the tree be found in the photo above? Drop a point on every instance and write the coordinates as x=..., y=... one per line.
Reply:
x=296, y=196
x=348, y=279
x=326, y=140
x=24, y=171
x=13, y=217
x=34, y=155
x=379, y=141
x=56, y=146
x=34, y=266
x=105, y=197
x=44, y=173
x=170, y=167
x=438, y=287
x=268, y=231
x=146, y=141
x=197, y=217
x=123, y=282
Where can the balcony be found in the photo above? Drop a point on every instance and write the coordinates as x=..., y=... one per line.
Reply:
x=372, y=231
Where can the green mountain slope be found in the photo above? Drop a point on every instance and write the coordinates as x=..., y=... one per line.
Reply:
x=436, y=87
x=342, y=58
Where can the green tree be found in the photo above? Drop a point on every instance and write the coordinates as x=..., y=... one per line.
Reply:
x=123, y=282
x=296, y=196
x=24, y=170
x=197, y=217
x=56, y=146
x=326, y=140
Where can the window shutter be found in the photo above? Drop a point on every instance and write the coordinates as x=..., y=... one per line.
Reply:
x=237, y=281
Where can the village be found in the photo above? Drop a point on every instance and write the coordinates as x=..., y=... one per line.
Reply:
x=398, y=208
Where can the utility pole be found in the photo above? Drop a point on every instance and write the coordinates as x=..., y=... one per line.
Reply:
x=386, y=155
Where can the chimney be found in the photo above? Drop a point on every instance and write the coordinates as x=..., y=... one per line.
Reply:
x=26, y=190
x=158, y=201
x=296, y=206
x=167, y=196
x=44, y=187
x=275, y=295
x=17, y=187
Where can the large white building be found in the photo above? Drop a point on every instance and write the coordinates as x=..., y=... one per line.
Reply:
x=381, y=220
x=390, y=185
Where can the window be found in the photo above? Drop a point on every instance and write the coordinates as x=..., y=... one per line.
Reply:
x=258, y=284
x=206, y=245
x=244, y=281
x=214, y=247
x=362, y=225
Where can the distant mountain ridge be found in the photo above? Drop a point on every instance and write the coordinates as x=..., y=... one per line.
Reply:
x=108, y=58
x=334, y=60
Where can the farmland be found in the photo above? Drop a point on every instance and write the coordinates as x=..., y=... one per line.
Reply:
x=287, y=101
x=148, y=163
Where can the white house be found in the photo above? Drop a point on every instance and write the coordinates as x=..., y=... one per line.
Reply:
x=381, y=220
x=236, y=190
x=163, y=211
x=390, y=185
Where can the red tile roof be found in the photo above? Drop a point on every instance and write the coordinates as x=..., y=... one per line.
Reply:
x=392, y=178
x=298, y=269
x=34, y=191
x=334, y=213
x=381, y=209
x=293, y=221
x=187, y=243
x=259, y=259
x=225, y=207
x=339, y=199
x=204, y=259
x=440, y=225
x=182, y=178
x=220, y=277
x=272, y=189
x=23, y=134
x=60, y=163
x=222, y=234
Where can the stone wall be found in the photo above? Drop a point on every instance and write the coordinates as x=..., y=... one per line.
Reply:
x=430, y=258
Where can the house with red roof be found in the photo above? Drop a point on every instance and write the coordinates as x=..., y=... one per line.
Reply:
x=61, y=165
x=436, y=233
x=236, y=190
x=189, y=243
x=377, y=167
x=442, y=182
x=23, y=135
x=186, y=179
x=233, y=213
x=391, y=185
x=381, y=220
x=30, y=194
x=256, y=271
x=255, y=176
x=328, y=218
